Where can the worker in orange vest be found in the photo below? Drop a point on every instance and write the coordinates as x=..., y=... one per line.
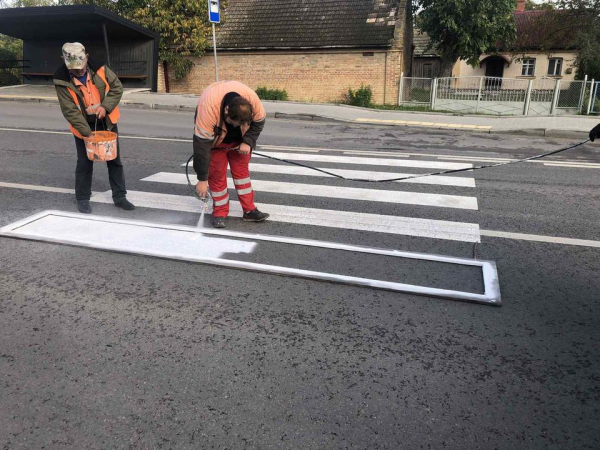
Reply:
x=229, y=119
x=89, y=94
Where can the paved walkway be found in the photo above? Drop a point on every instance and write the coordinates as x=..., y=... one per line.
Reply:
x=552, y=126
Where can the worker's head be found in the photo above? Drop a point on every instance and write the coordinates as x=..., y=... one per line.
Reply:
x=238, y=112
x=75, y=58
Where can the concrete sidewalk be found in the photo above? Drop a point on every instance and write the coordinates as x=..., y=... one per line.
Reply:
x=552, y=126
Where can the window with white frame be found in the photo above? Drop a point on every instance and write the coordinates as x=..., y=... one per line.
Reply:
x=528, y=67
x=555, y=67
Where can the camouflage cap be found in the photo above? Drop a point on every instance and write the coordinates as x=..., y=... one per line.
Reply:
x=74, y=55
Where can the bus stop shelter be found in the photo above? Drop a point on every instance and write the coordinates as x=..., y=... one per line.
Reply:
x=129, y=49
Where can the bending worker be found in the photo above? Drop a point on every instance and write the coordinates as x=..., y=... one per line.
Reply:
x=88, y=94
x=229, y=119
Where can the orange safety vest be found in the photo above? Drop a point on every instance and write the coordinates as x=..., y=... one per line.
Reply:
x=91, y=98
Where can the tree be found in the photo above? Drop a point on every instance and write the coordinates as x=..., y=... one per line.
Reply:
x=466, y=29
x=182, y=24
x=581, y=19
x=574, y=24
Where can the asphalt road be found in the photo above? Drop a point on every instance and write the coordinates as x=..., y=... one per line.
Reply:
x=107, y=350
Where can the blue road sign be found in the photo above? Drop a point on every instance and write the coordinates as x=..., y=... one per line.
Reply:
x=213, y=11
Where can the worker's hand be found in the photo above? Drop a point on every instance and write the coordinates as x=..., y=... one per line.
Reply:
x=100, y=112
x=595, y=133
x=244, y=148
x=201, y=188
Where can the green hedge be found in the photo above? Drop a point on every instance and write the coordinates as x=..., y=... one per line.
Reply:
x=271, y=94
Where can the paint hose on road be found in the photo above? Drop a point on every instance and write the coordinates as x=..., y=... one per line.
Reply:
x=410, y=177
x=387, y=180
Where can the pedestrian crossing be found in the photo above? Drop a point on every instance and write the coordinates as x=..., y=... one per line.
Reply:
x=293, y=194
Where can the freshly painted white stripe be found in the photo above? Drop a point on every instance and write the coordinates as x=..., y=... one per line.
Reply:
x=372, y=195
x=362, y=174
x=438, y=180
x=313, y=190
x=538, y=238
x=369, y=161
x=345, y=220
x=32, y=187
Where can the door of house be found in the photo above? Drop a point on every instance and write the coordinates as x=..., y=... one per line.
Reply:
x=494, y=68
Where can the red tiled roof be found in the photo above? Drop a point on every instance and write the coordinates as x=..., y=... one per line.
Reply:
x=289, y=24
x=539, y=28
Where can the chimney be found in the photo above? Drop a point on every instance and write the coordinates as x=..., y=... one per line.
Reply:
x=520, y=5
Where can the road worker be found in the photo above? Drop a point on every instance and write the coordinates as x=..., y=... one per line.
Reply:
x=229, y=119
x=88, y=94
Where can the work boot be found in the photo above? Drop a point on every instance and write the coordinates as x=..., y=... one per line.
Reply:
x=84, y=206
x=255, y=216
x=218, y=222
x=125, y=204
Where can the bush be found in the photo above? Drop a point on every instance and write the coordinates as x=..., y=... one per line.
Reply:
x=360, y=97
x=271, y=94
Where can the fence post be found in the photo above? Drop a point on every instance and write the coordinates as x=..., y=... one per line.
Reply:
x=589, y=108
x=583, y=86
x=479, y=95
x=528, y=98
x=433, y=93
x=401, y=88
x=555, y=98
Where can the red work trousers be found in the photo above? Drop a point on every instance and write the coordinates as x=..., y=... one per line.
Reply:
x=217, y=178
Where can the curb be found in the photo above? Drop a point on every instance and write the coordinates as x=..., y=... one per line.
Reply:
x=537, y=132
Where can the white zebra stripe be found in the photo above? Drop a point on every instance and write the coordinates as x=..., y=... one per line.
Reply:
x=344, y=220
x=360, y=194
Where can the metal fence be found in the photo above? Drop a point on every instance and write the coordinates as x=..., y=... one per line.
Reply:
x=594, y=98
x=501, y=96
x=415, y=90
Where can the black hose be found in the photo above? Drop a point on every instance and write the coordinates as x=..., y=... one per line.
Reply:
x=409, y=177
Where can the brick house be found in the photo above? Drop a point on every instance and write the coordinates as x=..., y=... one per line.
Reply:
x=314, y=49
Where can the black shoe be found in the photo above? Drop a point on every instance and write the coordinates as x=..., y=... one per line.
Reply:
x=125, y=204
x=84, y=206
x=218, y=222
x=255, y=216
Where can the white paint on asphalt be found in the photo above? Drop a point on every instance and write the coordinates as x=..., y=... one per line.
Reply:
x=363, y=174
x=369, y=161
x=348, y=193
x=437, y=229
x=345, y=220
x=33, y=187
x=538, y=238
x=210, y=246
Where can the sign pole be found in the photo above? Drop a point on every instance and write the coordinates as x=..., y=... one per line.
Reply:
x=215, y=49
x=214, y=16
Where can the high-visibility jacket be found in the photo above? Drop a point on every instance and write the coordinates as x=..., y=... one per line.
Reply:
x=79, y=103
x=209, y=126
